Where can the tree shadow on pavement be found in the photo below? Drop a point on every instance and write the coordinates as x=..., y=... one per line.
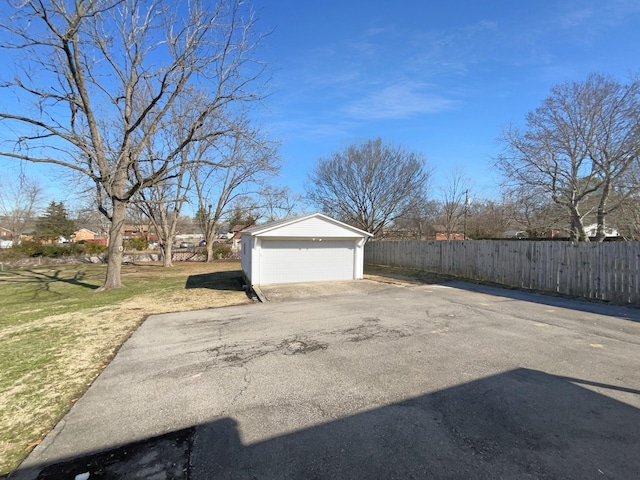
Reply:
x=518, y=424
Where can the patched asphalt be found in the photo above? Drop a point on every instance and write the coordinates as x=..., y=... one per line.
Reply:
x=363, y=380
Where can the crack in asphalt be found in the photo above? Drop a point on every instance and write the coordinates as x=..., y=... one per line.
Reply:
x=300, y=344
x=241, y=390
x=370, y=328
x=240, y=354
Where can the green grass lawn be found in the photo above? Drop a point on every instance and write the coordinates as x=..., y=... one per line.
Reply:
x=57, y=333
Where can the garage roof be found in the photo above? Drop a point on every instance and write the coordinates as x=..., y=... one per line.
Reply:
x=315, y=224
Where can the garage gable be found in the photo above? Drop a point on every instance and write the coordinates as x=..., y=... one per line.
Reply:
x=314, y=225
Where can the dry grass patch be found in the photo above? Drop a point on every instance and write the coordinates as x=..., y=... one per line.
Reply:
x=384, y=273
x=57, y=334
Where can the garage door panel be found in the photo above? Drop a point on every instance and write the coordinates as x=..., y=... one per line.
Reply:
x=290, y=261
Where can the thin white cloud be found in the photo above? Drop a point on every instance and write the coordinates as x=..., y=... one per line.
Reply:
x=575, y=18
x=596, y=15
x=402, y=100
x=363, y=49
x=373, y=31
x=440, y=52
x=313, y=129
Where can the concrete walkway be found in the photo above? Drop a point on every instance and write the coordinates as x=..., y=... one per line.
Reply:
x=366, y=380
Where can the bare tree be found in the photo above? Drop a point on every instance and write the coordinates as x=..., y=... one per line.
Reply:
x=87, y=216
x=531, y=210
x=368, y=185
x=138, y=223
x=162, y=204
x=102, y=77
x=627, y=219
x=237, y=168
x=275, y=203
x=242, y=211
x=576, y=147
x=487, y=219
x=455, y=202
x=19, y=202
x=613, y=142
x=415, y=223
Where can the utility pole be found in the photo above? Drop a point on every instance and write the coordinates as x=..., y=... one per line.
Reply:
x=466, y=211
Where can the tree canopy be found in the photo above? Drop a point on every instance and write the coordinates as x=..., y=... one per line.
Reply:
x=100, y=81
x=55, y=223
x=580, y=148
x=19, y=201
x=368, y=185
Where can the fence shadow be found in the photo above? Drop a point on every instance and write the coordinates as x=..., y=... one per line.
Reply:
x=607, y=270
x=599, y=308
x=518, y=424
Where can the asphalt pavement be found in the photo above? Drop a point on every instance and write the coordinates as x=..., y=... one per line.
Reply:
x=363, y=380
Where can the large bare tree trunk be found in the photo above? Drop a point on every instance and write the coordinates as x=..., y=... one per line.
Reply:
x=577, y=233
x=209, y=252
x=116, y=249
x=602, y=211
x=167, y=253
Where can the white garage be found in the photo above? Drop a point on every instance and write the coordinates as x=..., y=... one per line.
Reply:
x=311, y=248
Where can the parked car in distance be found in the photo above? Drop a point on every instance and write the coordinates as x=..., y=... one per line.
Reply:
x=203, y=243
x=187, y=245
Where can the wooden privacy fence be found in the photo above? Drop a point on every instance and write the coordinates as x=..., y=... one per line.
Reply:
x=605, y=271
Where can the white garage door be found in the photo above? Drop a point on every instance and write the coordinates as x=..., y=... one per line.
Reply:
x=290, y=261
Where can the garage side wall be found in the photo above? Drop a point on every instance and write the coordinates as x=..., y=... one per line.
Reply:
x=358, y=273
x=246, y=256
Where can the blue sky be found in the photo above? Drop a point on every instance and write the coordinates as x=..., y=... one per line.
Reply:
x=441, y=78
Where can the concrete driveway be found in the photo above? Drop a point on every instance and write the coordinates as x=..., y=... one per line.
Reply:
x=364, y=380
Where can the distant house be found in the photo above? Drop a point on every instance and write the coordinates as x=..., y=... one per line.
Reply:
x=6, y=238
x=236, y=235
x=134, y=231
x=592, y=230
x=238, y=228
x=515, y=234
x=83, y=235
x=440, y=233
x=589, y=230
x=450, y=236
